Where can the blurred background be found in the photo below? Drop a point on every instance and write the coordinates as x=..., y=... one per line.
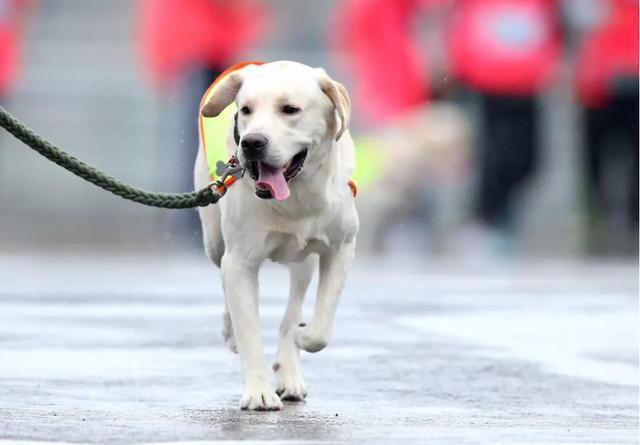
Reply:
x=484, y=128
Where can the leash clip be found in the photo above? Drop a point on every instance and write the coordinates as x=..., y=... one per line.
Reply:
x=232, y=168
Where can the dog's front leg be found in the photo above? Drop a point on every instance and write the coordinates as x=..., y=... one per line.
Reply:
x=290, y=384
x=334, y=266
x=240, y=282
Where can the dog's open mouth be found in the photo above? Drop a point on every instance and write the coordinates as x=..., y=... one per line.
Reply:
x=271, y=182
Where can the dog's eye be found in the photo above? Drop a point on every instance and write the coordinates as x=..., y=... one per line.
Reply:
x=245, y=110
x=289, y=109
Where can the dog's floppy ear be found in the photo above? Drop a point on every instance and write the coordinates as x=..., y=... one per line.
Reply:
x=338, y=95
x=224, y=93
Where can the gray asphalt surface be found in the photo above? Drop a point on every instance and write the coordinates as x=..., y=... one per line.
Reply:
x=128, y=350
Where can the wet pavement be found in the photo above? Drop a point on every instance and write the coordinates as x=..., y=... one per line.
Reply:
x=129, y=350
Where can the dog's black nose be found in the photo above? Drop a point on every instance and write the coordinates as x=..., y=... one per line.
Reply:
x=253, y=145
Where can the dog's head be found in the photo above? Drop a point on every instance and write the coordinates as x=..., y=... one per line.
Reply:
x=287, y=112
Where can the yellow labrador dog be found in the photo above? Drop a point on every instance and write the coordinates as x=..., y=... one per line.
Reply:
x=292, y=206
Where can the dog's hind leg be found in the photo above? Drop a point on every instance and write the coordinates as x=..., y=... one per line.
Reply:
x=290, y=384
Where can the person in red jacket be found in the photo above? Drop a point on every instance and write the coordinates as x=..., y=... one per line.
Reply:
x=389, y=64
x=184, y=45
x=507, y=52
x=504, y=51
x=177, y=36
x=607, y=88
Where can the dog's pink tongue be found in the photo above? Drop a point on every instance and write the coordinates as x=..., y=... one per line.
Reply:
x=273, y=179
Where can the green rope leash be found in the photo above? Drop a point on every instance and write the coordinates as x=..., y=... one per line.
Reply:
x=91, y=174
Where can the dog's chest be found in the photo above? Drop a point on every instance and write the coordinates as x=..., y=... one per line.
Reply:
x=290, y=248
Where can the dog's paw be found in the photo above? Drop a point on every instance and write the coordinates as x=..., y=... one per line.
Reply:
x=307, y=339
x=260, y=397
x=290, y=384
x=228, y=334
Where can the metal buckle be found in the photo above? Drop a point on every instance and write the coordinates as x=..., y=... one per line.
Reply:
x=231, y=168
x=223, y=171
